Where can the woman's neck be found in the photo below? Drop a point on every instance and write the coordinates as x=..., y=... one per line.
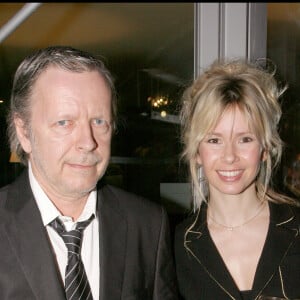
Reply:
x=234, y=210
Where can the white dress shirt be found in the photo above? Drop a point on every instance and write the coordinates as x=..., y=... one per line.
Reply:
x=90, y=242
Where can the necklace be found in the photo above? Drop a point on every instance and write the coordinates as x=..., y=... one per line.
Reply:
x=231, y=228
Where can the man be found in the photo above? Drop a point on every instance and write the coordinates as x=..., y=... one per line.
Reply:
x=61, y=122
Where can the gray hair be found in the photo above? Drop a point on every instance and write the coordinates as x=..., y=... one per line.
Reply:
x=31, y=68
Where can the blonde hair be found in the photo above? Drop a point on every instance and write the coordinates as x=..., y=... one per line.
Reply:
x=223, y=85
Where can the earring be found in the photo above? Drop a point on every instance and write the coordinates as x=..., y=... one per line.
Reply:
x=200, y=174
x=202, y=181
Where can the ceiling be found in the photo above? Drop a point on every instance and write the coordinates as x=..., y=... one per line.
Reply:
x=120, y=32
x=113, y=26
x=160, y=31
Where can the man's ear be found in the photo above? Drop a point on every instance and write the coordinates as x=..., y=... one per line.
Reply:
x=23, y=134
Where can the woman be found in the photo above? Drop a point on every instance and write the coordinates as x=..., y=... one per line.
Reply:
x=242, y=239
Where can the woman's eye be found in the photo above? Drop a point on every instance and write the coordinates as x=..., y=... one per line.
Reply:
x=246, y=139
x=213, y=141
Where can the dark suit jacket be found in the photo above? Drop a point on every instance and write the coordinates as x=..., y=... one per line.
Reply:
x=202, y=273
x=135, y=254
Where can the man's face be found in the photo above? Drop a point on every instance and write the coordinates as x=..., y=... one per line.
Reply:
x=67, y=147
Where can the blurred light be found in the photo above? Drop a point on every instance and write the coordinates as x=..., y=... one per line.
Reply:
x=159, y=101
x=163, y=113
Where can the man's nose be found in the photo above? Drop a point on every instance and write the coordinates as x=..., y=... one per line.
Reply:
x=85, y=138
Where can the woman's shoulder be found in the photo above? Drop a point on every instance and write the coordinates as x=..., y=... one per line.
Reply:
x=296, y=211
x=284, y=213
x=185, y=223
x=192, y=222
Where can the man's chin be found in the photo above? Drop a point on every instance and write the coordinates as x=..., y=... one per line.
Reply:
x=79, y=187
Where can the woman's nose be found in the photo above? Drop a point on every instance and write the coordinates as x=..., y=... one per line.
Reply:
x=229, y=153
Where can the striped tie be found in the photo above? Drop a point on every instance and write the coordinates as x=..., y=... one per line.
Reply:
x=76, y=283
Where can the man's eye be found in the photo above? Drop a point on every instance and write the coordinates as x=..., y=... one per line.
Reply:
x=63, y=122
x=99, y=122
x=102, y=125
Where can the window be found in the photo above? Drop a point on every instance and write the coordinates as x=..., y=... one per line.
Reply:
x=150, y=50
x=283, y=49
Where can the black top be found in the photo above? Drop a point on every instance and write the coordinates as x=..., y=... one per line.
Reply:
x=202, y=273
x=246, y=295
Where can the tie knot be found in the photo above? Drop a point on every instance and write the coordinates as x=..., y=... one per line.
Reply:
x=73, y=237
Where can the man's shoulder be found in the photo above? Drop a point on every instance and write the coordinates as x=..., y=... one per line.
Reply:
x=3, y=194
x=16, y=188
x=126, y=197
x=3, y=189
x=128, y=201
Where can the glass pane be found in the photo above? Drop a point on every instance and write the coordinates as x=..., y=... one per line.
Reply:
x=283, y=44
x=150, y=50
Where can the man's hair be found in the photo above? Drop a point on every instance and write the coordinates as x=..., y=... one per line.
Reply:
x=32, y=67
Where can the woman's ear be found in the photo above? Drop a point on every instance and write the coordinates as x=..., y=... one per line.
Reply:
x=198, y=159
x=264, y=155
x=23, y=134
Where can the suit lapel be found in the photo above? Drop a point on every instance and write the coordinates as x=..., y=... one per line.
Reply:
x=29, y=240
x=280, y=237
x=113, y=233
x=203, y=249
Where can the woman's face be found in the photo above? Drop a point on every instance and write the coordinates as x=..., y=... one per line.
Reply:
x=230, y=154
